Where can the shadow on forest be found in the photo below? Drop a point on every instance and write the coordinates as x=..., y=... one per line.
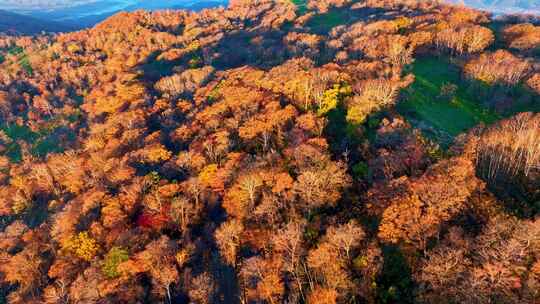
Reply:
x=263, y=47
x=155, y=68
x=395, y=285
x=519, y=194
x=247, y=48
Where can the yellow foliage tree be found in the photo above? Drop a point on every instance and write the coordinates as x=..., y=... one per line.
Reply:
x=208, y=174
x=156, y=154
x=81, y=245
x=332, y=97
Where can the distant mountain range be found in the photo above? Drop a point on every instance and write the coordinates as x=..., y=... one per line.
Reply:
x=27, y=25
x=41, y=4
x=86, y=13
x=504, y=6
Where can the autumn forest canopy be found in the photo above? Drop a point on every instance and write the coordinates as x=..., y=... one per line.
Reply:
x=293, y=151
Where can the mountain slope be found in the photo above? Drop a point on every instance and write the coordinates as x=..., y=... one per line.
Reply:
x=21, y=24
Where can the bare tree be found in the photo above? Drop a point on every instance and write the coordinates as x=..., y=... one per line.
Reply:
x=345, y=237
x=228, y=240
x=511, y=147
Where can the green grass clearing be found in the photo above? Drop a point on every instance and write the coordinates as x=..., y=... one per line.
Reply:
x=40, y=143
x=22, y=58
x=323, y=23
x=301, y=6
x=443, y=117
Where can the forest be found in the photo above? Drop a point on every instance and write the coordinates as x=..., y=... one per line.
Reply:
x=293, y=151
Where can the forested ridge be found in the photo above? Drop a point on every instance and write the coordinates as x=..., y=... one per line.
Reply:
x=319, y=152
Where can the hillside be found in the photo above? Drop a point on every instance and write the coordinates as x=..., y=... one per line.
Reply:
x=300, y=152
x=16, y=23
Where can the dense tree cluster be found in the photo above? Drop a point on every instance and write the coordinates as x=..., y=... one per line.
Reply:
x=250, y=155
x=498, y=67
x=522, y=36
